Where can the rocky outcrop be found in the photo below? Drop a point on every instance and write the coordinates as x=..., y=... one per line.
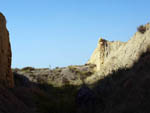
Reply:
x=6, y=77
x=103, y=52
x=111, y=56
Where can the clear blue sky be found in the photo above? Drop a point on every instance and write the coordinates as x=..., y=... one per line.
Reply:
x=65, y=32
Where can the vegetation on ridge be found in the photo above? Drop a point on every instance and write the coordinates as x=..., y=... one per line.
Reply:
x=142, y=29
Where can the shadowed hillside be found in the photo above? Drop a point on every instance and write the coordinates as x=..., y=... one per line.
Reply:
x=127, y=90
x=123, y=91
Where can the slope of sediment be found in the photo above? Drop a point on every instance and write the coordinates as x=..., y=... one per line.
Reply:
x=111, y=56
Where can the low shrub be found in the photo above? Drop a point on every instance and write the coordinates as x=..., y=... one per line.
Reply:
x=72, y=68
x=28, y=68
x=141, y=29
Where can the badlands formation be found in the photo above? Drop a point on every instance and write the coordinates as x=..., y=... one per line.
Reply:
x=108, y=57
x=111, y=56
x=118, y=71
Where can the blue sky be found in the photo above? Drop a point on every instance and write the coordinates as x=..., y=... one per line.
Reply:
x=65, y=32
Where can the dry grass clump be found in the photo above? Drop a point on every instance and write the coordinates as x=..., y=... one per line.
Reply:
x=91, y=65
x=28, y=69
x=72, y=69
x=57, y=71
x=80, y=72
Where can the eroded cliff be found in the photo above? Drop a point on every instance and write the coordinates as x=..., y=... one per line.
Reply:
x=111, y=56
x=6, y=76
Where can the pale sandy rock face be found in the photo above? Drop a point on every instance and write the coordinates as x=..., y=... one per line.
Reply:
x=6, y=77
x=103, y=52
x=111, y=56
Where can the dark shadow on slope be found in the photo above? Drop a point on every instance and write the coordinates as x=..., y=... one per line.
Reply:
x=127, y=90
x=46, y=98
x=124, y=91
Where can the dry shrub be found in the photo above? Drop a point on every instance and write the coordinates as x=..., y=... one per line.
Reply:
x=141, y=29
x=28, y=68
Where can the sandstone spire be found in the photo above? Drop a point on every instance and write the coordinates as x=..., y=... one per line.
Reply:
x=6, y=76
